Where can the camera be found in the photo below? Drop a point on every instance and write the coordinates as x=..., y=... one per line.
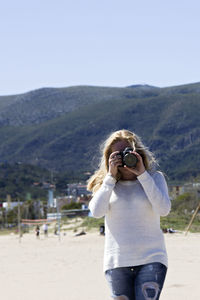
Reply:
x=129, y=159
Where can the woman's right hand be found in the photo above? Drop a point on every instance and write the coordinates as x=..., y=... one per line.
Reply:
x=115, y=161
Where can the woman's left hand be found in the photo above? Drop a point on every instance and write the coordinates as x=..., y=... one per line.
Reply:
x=139, y=168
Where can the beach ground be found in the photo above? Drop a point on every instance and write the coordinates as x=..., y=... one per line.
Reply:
x=71, y=268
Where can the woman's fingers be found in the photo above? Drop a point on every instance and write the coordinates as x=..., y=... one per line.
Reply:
x=139, y=157
x=139, y=168
x=114, y=162
x=114, y=154
x=115, y=159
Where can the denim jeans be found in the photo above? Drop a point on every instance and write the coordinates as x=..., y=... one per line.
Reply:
x=142, y=282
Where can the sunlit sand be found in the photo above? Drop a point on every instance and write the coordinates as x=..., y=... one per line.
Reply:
x=71, y=268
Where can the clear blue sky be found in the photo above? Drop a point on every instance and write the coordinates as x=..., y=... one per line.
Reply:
x=60, y=43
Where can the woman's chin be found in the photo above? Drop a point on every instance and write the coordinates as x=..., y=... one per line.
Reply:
x=125, y=174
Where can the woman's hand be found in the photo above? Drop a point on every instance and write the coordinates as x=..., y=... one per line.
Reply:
x=115, y=161
x=139, y=168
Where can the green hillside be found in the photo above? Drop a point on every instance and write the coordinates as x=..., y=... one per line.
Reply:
x=61, y=129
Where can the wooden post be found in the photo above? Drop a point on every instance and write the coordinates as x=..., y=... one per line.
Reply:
x=58, y=218
x=19, y=221
x=194, y=215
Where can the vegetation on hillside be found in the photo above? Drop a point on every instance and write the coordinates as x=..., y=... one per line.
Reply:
x=24, y=182
x=61, y=129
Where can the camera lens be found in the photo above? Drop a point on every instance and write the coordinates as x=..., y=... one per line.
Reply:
x=130, y=160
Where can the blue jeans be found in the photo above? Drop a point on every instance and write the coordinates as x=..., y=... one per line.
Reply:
x=142, y=282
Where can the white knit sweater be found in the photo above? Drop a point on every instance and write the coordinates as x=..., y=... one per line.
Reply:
x=132, y=211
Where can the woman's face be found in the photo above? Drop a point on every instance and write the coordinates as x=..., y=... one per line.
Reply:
x=124, y=173
x=120, y=146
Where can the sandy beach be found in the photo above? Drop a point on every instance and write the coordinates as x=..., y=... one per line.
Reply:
x=72, y=267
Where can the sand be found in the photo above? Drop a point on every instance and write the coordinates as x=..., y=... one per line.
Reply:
x=49, y=269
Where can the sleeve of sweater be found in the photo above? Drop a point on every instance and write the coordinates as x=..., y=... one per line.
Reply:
x=156, y=190
x=99, y=204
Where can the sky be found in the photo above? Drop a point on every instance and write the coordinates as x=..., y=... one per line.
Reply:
x=61, y=43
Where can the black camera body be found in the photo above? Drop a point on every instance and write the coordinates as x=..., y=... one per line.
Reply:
x=128, y=159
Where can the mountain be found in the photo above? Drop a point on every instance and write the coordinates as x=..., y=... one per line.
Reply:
x=61, y=128
x=41, y=105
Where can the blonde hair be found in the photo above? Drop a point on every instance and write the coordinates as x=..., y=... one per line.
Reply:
x=135, y=142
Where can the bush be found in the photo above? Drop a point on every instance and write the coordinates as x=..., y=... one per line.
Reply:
x=90, y=223
x=72, y=205
x=185, y=203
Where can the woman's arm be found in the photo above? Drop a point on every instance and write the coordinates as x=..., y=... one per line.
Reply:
x=156, y=190
x=99, y=204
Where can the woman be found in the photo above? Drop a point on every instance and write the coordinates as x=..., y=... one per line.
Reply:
x=132, y=199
